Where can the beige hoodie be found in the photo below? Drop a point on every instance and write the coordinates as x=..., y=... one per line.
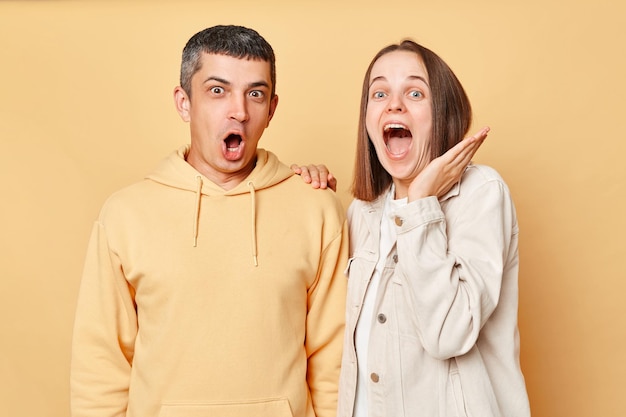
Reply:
x=197, y=301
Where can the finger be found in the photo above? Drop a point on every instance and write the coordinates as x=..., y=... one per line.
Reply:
x=480, y=135
x=332, y=182
x=306, y=175
x=314, y=175
x=322, y=169
x=322, y=175
x=462, y=160
x=465, y=150
x=296, y=168
x=468, y=145
x=458, y=150
x=467, y=157
x=479, y=138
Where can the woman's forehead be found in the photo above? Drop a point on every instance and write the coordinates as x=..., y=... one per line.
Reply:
x=399, y=64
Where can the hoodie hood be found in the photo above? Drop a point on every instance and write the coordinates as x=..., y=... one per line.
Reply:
x=174, y=171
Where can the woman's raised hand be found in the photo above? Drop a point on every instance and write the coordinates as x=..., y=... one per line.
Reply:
x=443, y=172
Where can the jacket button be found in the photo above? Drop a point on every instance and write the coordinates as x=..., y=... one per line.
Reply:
x=399, y=221
x=395, y=258
x=374, y=376
x=382, y=318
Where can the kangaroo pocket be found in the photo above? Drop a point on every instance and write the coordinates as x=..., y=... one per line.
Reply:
x=258, y=408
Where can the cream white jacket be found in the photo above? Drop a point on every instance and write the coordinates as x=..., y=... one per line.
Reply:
x=444, y=339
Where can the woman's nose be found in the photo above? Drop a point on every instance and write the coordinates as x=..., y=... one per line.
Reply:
x=395, y=104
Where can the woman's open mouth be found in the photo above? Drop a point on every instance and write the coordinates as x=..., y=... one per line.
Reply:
x=398, y=138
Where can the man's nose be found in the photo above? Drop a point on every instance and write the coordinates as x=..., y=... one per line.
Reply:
x=238, y=109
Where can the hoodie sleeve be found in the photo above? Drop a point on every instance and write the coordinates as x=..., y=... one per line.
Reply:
x=104, y=333
x=325, y=325
x=451, y=270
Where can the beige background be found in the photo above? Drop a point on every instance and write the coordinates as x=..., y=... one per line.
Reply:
x=86, y=107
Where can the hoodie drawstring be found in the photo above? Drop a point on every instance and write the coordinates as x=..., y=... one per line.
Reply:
x=252, y=195
x=196, y=217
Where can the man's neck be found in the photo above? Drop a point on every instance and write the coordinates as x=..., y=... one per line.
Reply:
x=225, y=180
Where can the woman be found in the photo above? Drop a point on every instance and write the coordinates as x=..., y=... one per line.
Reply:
x=431, y=324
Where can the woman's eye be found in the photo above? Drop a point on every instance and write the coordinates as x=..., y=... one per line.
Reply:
x=416, y=94
x=378, y=94
x=217, y=90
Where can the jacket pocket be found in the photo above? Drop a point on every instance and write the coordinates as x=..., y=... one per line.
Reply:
x=359, y=272
x=274, y=407
x=456, y=396
x=479, y=395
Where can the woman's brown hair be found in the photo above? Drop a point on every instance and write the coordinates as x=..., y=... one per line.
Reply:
x=451, y=113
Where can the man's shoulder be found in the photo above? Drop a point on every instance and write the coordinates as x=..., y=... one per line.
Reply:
x=297, y=185
x=134, y=190
x=129, y=198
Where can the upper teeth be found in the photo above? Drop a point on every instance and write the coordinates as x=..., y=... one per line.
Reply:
x=393, y=126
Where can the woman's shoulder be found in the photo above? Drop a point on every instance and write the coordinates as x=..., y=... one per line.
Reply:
x=486, y=172
x=477, y=175
x=358, y=205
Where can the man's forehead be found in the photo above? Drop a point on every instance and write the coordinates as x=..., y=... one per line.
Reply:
x=230, y=60
x=230, y=68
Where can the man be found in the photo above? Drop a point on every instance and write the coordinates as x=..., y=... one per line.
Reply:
x=215, y=286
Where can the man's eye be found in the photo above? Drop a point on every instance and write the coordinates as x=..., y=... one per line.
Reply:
x=217, y=90
x=256, y=94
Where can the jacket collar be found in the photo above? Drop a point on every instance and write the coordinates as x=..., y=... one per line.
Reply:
x=372, y=213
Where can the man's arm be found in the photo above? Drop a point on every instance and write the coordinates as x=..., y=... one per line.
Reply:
x=325, y=326
x=104, y=335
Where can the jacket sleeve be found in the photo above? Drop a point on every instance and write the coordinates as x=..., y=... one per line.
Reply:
x=452, y=268
x=325, y=325
x=104, y=334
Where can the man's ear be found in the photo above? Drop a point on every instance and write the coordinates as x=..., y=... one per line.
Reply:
x=273, y=105
x=182, y=103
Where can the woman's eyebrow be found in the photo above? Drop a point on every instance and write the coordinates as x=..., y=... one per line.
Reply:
x=418, y=77
x=410, y=77
x=379, y=78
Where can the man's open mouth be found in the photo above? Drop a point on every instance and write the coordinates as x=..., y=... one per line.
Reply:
x=232, y=142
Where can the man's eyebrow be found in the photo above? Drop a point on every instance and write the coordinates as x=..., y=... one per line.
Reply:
x=259, y=84
x=218, y=79
x=226, y=82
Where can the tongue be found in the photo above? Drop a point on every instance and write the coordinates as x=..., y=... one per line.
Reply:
x=397, y=145
x=232, y=141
